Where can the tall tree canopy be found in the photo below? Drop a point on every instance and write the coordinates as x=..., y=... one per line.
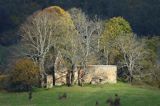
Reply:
x=113, y=28
x=44, y=30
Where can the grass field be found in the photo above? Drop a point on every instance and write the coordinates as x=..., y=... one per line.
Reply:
x=84, y=96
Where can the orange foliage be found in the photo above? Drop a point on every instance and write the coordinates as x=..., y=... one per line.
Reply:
x=58, y=14
x=56, y=10
x=25, y=71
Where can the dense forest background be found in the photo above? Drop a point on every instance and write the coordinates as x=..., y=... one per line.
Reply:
x=143, y=15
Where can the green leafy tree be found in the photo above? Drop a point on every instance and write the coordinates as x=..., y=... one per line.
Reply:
x=150, y=62
x=113, y=28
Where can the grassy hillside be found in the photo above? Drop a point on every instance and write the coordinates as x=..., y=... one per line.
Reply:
x=84, y=96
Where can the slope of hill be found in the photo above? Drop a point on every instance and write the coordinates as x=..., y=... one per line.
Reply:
x=84, y=96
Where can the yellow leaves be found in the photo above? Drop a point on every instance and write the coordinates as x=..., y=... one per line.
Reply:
x=24, y=71
x=60, y=17
x=56, y=10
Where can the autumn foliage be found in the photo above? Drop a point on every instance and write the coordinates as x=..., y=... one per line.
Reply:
x=57, y=14
x=25, y=72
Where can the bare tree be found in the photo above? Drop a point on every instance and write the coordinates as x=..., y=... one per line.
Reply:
x=88, y=33
x=132, y=52
x=39, y=33
x=69, y=54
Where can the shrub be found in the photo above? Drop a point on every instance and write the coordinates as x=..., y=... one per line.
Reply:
x=25, y=73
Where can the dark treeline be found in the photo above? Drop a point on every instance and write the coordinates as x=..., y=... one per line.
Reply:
x=143, y=15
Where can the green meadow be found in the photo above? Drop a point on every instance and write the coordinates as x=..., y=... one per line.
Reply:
x=84, y=96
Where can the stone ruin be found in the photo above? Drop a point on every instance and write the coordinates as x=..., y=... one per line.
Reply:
x=49, y=80
x=101, y=74
x=94, y=74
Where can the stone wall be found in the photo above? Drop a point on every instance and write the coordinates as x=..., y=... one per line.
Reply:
x=94, y=74
x=60, y=78
x=49, y=81
x=101, y=74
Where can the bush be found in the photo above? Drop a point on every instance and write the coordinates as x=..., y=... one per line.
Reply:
x=25, y=73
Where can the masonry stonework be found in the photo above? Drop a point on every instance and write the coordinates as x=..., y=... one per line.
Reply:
x=101, y=74
x=94, y=74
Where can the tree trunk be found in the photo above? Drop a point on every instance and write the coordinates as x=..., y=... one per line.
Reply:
x=79, y=79
x=42, y=80
x=42, y=73
x=130, y=74
x=72, y=75
x=130, y=79
x=72, y=78
x=54, y=78
x=53, y=75
x=29, y=92
x=80, y=75
x=68, y=78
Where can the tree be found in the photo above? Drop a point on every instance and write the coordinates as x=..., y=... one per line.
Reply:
x=155, y=75
x=150, y=62
x=133, y=52
x=42, y=31
x=113, y=28
x=88, y=31
x=25, y=72
x=152, y=45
